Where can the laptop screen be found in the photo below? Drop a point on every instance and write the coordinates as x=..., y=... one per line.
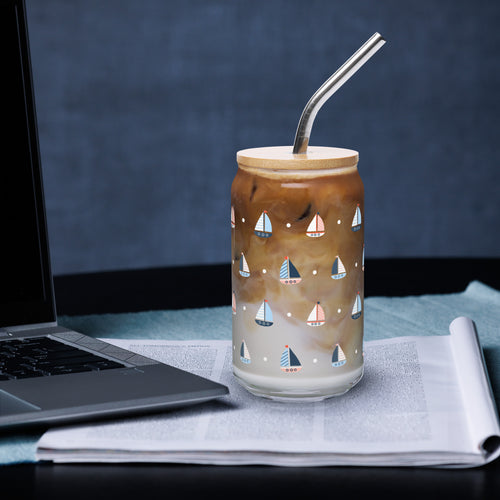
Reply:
x=26, y=294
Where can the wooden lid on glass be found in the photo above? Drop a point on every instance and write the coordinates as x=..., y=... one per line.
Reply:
x=282, y=158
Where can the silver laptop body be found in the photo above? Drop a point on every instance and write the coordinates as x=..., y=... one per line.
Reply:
x=48, y=374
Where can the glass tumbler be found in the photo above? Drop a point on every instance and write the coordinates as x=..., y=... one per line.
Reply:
x=297, y=272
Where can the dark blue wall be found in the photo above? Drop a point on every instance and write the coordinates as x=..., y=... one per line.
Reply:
x=142, y=106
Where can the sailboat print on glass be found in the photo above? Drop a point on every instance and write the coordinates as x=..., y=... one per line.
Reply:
x=338, y=269
x=316, y=228
x=234, y=303
x=317, y=316
x=356, y=221
x=244, y=354
x=289, y=362
x=233, y=220
x=356, y=308
x=288, y=273
x=244, y=270
x=264, y=315
x=338, y=356
x=263, y=228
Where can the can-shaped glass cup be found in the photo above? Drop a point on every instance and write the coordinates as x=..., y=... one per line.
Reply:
x=297, y=272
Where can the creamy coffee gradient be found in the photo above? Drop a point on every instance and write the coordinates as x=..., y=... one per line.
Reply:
x=297, y=272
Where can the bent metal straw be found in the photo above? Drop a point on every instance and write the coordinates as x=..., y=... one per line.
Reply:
x=330, y=86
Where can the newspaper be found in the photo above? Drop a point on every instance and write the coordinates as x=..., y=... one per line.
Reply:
x=423, y=401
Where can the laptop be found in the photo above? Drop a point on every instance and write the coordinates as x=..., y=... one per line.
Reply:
x=50, y=375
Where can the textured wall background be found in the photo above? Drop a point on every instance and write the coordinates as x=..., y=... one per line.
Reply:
x=143, y=105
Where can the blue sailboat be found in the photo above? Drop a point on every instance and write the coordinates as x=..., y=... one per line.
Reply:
x=338, y=269
x=288, y=273
x=263, y=228
x=356, y=221
x=289, y=362
x=356, y=308
x=264, y=315
x=338, y=357
x=245, y=354
x=244, y=270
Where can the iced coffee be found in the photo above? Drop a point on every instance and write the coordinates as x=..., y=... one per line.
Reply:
x=297, y=272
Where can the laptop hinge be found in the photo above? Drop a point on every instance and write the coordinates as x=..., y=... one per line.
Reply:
x=32, y=326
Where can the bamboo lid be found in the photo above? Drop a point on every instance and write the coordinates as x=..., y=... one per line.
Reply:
x=282, y=158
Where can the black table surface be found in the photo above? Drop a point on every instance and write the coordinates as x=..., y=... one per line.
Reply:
x=203, y=286
x=210, y=285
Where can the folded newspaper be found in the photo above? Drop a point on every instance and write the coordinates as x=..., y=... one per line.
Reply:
x=423, y=401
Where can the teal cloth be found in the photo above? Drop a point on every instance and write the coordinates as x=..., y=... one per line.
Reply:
x=385, y=317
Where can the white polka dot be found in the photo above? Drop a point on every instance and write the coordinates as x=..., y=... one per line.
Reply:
x=243, y=219
x=288, y=314
x=288, y=224
x=315, y=360
x=244, y=308
x=315, y=272
x=265, y=358
x=264, y=271
x=355, y=351
x=339, y=310
x=356, y=264
x=339, y=222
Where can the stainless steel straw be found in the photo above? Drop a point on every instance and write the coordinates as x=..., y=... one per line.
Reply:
x=330, y=87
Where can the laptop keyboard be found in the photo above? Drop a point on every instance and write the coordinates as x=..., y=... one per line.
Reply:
x=43, y=356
